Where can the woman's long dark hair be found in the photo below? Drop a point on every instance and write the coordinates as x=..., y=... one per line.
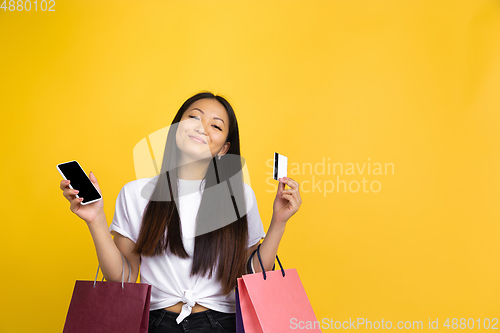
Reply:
x=223, y=248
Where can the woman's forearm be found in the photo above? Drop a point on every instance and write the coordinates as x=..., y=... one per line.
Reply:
x=108, y=255
x=269, y=247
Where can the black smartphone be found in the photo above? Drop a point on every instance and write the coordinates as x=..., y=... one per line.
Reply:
x=79, y=180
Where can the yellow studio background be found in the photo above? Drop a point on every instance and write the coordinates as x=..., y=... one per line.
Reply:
x=408, y=89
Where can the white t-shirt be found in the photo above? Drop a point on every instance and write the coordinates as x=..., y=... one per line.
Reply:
x=169, y=275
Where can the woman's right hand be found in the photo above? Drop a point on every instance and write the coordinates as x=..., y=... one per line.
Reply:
x=89, y=212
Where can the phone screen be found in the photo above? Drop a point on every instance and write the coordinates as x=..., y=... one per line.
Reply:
x=73, y=172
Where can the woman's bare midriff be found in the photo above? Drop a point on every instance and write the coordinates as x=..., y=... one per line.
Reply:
x=177, y=308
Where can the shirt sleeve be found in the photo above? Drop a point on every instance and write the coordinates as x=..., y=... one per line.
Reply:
x=124, y=220
x=255, y=226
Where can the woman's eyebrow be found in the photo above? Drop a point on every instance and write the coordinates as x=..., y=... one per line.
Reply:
x=214, y=117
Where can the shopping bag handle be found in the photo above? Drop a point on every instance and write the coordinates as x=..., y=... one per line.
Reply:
x=123, y=271
x=262, y=266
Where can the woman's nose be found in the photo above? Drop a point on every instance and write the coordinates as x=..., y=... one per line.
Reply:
x=200, y=128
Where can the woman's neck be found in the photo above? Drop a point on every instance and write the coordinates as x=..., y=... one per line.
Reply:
x=194, y=170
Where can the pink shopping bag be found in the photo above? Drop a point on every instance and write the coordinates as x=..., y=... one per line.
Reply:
x=272, y=302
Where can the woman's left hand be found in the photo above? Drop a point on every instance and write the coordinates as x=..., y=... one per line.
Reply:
x=287, y=201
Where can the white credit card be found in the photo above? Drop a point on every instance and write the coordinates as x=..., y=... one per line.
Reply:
x=280, y=166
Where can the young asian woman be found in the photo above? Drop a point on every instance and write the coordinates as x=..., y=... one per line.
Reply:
x=192, y=228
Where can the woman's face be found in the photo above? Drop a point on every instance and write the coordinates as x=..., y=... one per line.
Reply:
x=203, y=130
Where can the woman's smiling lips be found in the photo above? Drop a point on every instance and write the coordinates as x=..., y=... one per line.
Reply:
x=197, y=139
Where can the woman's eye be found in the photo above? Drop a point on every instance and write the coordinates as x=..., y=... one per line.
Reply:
x=213, y=125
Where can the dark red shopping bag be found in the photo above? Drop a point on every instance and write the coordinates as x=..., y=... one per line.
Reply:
x=272, y=302
x=109, y=307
